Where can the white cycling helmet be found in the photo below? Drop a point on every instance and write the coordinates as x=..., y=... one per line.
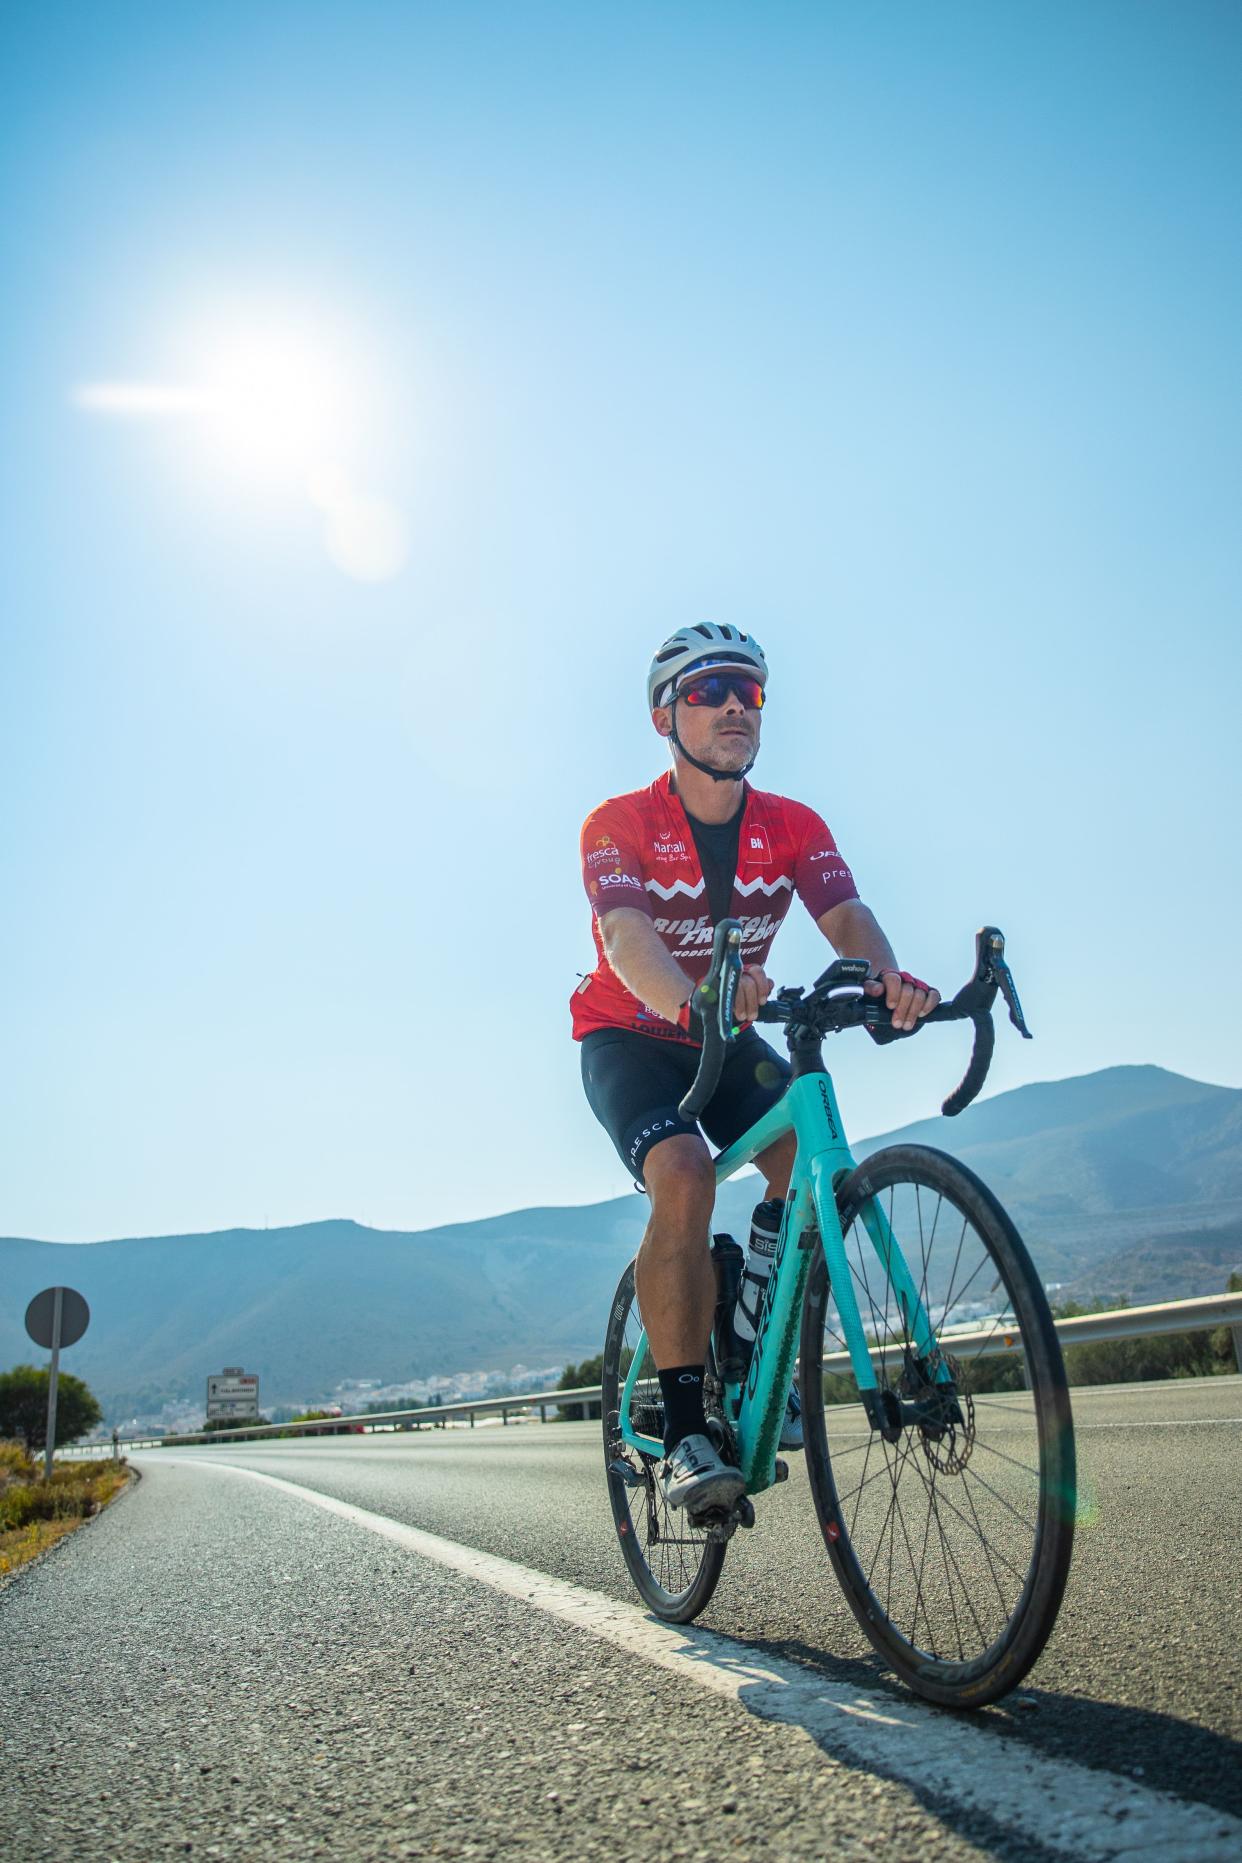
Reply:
x=707, y=643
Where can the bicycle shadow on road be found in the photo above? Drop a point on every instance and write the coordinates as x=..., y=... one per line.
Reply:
x=1151, y=1750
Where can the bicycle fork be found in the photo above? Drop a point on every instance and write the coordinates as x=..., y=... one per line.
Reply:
x=930, y=1399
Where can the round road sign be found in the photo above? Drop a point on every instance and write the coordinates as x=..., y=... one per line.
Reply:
x=75, y=1316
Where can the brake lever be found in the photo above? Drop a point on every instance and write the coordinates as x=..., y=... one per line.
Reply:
x=717, y=999
x=1009, y=990
x=991, y=969
x=731, y=971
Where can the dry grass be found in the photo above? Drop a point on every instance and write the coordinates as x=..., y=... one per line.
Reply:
x=34, y=1513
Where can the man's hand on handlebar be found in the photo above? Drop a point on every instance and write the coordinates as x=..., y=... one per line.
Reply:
x=908, y=998
x=754, y=987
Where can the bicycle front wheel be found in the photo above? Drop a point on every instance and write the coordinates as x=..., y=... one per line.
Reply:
x=674, y=1565
x=950, y=1528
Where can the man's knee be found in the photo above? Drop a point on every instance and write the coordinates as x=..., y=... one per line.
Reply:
x=680, y=1177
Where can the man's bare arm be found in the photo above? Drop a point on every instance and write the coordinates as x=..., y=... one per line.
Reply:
x=633, y=948
x=853, y=930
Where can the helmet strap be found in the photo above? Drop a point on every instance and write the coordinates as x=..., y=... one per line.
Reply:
x=719, y=776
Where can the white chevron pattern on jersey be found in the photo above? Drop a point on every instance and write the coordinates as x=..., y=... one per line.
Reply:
x=745, y=887
x=678, y=886
x=767, y=887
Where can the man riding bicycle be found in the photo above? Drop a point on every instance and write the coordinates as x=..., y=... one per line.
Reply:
x=662, y=866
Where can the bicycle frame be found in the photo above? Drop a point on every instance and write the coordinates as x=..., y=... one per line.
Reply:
x=757, y=1409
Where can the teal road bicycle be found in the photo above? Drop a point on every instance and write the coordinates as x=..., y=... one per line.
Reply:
x=939, y=1438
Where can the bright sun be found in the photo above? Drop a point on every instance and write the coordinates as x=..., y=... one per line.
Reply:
x=275, y=404
x=280, y=408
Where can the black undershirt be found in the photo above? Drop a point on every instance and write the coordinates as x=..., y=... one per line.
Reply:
x=717, y=845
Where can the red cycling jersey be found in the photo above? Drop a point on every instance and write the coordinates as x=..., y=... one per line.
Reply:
x=638, y=851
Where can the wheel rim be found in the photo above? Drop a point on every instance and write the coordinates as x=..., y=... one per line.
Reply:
x=653, y=1533
x=940, y=1530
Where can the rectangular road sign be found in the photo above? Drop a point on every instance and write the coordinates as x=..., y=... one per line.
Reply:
x=232, y=1393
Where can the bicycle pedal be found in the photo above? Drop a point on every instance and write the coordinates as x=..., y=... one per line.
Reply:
x=721, y=1523
x=622, y=1470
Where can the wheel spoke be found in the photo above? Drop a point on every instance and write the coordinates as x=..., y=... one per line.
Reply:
x=1013, y=1460
x=961, y=1292
x=987, y=1550
x=862, y=1484
x=998, y=1496
x=948, y=1299
x=902, y=1459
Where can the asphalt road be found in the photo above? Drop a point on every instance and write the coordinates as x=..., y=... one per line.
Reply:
x=219, y=1666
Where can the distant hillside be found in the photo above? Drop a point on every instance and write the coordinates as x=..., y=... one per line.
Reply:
x=1126, y=1183
x=309, y=1306
x=1126, y=1138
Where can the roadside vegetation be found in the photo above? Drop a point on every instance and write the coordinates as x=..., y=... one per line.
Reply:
x=331, y=1419
x=23, y=1407
x=578, y=1378
x=1205, y=1354
x=34, y=1513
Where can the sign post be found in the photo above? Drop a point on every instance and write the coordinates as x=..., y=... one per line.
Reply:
x=232, y=1393
x=57, y=1317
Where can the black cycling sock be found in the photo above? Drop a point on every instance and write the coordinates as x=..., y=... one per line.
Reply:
x=682, y=1387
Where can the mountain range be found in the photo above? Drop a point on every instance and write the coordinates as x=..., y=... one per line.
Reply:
x=1126, y=1184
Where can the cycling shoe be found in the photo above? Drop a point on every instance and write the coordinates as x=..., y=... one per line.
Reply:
x=695, y=1477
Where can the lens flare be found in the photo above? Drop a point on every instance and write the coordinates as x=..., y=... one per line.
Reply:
x=279, y=410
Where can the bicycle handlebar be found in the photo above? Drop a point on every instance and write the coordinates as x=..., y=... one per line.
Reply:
x=837, y=1001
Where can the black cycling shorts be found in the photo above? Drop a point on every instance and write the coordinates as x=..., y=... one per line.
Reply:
x=635, y=1084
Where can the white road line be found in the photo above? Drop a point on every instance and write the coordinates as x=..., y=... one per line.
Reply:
x=1156, y=1423
x=1058, y=1803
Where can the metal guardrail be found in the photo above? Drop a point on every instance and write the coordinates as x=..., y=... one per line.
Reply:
x=429, y=1416
x=1173, y=1316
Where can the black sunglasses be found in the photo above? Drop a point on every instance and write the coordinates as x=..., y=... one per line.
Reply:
x=714, y=688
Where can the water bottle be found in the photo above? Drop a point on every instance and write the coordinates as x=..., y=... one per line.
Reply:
x=765, y=1229
x=729, y=1261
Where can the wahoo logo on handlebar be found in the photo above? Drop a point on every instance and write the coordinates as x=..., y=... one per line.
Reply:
x=838, y=1001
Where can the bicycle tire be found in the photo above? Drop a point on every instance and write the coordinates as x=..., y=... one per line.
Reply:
x=674, y=1566
x=1020, y=1442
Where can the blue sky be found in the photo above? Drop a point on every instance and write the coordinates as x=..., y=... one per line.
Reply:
x=906, y=337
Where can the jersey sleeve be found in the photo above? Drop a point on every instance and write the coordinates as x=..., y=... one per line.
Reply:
x=612, y=868
x=821, y=877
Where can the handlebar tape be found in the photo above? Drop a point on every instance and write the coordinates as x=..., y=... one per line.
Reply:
x=977, y=1072
x=708, y=1077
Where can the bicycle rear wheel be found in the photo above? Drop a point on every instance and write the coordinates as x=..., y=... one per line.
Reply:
x=674, y=1565
x=951, y=1535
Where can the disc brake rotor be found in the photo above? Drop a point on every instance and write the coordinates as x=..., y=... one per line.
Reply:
x=950, y=1451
